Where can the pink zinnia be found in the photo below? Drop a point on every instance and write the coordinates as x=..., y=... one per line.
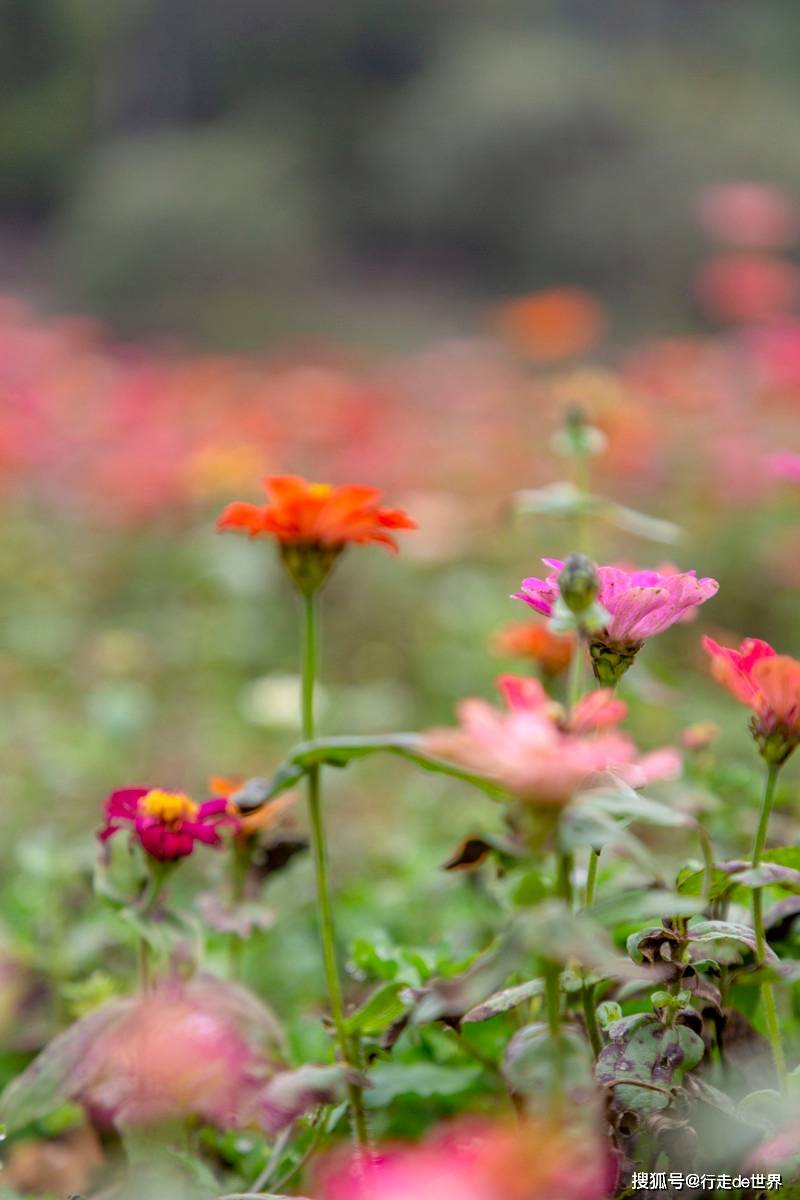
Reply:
x=167, y=824
x=769, y=684
x=477, y=1161
x=183, y=1049
x=533, y=751
x=640, y=604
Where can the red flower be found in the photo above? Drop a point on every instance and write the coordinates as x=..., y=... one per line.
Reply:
x=167, y=824
x=316, y=514
x=767, y=682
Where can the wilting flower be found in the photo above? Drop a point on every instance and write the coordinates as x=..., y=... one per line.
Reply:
x=640, y=604
x=167, y=824
x=252, y=818
x=527, y=639
x=475, y=1161
x=313, y=522
x=769, y=684
x=537, y=753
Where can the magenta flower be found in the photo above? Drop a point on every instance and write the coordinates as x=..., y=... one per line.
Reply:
x=639, y=604
x=166, y=824
x=538, y=754
x=479, y=1161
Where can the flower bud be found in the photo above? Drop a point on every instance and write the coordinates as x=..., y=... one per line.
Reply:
x=578, y=583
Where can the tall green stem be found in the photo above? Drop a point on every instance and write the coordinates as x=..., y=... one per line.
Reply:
x=767, y=992
x=591, y=878
x=311, y=640
x=576, y=669
x=155, y=885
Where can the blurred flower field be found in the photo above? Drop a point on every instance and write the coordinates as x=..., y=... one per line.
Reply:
x=341, y=888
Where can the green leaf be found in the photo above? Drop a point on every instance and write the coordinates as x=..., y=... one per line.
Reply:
x=290, y=1094
x=641, y=524
x=423, y=1079
x=768, y=874
x=691, y=882
x=59, y=1071
x=624, y=801
x=538, y=1067
x=730, y=939
x=656, y=1056
x=582, y=826
x=381, y=1010
x=505, y=1000
x=341, y=751
x=641, y=904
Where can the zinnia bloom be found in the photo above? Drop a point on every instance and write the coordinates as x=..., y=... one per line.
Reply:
x=313, y=522
x=195, y=1049
x=538, y=754
x=167, y=824
x=534, y=640
x=475, y=1161
x=769, y=684
x=640, y=604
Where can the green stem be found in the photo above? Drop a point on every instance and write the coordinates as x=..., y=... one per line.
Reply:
x=591, y=877
x=311, y=631
x=238, y=877
x=565, y=863
x=552, y=993
x=708, y=861
x=576, y=669
x=767, y=992
x=590, y=1019
x=153, y=889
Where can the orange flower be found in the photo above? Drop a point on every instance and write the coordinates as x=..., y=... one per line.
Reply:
x=553, y=324
x=525, y=639
x=252, y=820
x=313, y=522
x=316, y=514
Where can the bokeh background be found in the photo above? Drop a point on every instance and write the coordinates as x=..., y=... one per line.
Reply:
x=382, y=243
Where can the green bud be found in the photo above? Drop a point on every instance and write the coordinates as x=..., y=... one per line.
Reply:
x=610, y=663
x=577, y=438
x=607, y=1013
x=578, y=583
x=308, y=564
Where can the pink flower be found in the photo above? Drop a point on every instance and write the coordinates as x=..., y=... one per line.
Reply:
x=538, y=754
x=769, y=684
x=640, y=604
x=785, y=465
x=181, y=1050
x=475, y=1161
x=166, y=824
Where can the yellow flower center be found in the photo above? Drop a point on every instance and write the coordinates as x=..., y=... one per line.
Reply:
x=171, y=807
x=319, y=491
